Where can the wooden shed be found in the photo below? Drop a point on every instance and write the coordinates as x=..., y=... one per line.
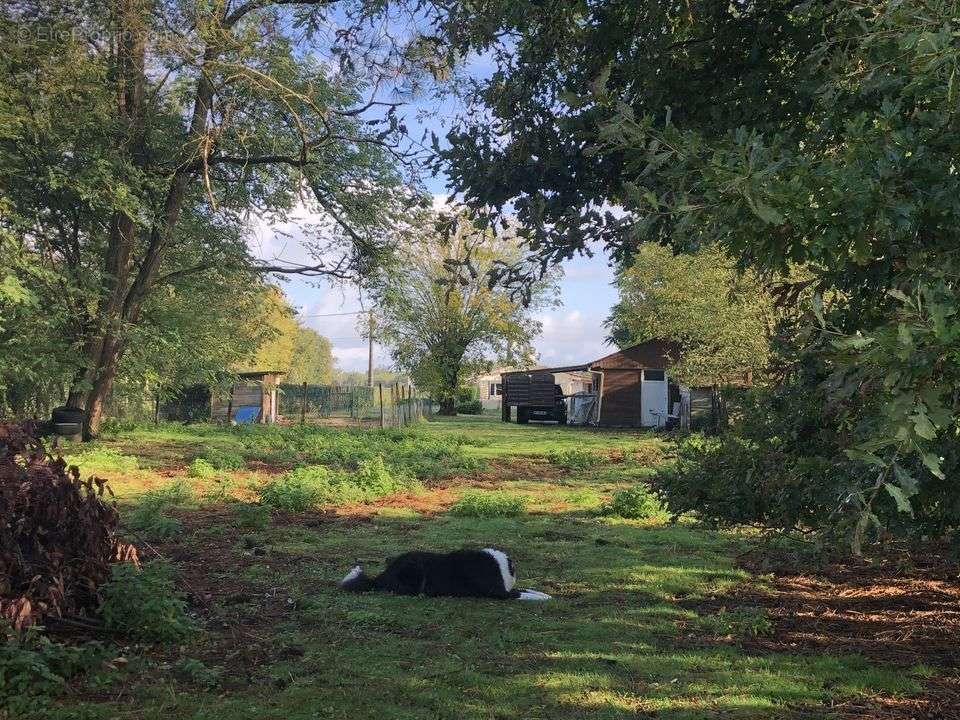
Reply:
x=252, y=399
x=632, y=386
x=635, y=390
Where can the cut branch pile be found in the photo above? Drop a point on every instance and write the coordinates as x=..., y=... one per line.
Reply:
x=58, y=534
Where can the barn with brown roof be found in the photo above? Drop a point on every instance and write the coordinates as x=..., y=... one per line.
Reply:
x=632, y=386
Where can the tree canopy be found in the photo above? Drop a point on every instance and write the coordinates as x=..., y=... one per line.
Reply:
x=437, y=311
x=139, y=138
x=721, y=318
x=784, y=132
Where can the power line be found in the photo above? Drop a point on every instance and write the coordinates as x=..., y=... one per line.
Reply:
x=356, y=312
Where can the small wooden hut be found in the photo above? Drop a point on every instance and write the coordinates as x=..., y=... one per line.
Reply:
x=252, y=399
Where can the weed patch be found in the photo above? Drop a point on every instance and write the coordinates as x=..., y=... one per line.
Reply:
x=149, y=518
x=744, y=622
x=574, y=459
x=34, y=670
x=313, y=485
x=95, y=460
x=634, y=503
x=201, y=468
x=492, y=503
x=142, y=604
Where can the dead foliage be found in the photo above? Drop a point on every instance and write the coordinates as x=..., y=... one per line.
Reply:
x=58, y=534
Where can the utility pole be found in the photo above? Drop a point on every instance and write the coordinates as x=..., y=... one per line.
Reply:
x=370, y=351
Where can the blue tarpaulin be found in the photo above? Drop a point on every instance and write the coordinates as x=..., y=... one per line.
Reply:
x=246, y=414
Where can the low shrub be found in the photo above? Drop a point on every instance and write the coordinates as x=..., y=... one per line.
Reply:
x=471, y=407
x=574, y=459
x=298, y=490
x=633, y=503
x=150, y=518
x=312, y=485
x=34, y=670
x=375, y=479
x=489, y=503
x=58, y=536
x=142, y=604
x=648, y=455
x=222, y=459
x=201, y=468
x=252, y=516
x=196, y=672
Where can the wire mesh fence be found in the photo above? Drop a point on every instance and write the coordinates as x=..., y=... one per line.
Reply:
x=383, y=405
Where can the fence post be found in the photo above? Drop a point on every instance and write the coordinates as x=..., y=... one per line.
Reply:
x=230, y=405
x=380, y=388
x=303, y=403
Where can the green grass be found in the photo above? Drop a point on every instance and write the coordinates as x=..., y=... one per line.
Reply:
x=280, y=640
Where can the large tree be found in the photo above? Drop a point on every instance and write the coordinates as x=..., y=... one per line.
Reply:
x=138, y=138
x=440, y=315
x=785, y=131
x=721, y=318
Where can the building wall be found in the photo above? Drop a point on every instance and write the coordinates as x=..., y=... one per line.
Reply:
x=620, y=404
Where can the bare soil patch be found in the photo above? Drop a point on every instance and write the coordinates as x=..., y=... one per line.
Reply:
x=902, y=609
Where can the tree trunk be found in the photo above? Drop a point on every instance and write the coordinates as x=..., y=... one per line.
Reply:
x=447, y=407
x=123, y=298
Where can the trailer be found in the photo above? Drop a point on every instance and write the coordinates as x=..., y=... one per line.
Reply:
x=536, y=395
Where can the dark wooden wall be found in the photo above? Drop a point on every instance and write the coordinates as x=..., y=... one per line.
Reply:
x=620, y=404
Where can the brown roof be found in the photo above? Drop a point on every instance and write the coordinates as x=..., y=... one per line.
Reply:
x=648, y=354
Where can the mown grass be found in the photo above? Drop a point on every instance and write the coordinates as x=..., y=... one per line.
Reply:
x=280, y=640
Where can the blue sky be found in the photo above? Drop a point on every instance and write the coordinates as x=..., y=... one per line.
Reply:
x=572, y=332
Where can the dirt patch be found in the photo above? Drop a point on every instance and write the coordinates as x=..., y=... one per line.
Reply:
x=498, y=471
x=891, y=610
x=430, y=502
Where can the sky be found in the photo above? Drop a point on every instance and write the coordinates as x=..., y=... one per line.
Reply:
x=571, y=333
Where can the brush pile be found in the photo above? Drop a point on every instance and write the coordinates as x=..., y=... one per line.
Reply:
x=58, y=534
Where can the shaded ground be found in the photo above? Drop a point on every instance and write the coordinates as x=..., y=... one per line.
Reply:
x=902, y=610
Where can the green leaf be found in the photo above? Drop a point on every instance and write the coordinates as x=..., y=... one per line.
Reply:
x=900, y=497
x=932, y=463
x=922, y=425
x=818, y=309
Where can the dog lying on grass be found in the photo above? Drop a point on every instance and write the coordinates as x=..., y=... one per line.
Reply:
x=486, y=573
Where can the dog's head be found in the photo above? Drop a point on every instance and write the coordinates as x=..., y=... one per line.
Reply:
x=507, y=569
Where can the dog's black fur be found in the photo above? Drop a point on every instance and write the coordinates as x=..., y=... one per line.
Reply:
x=462, y=573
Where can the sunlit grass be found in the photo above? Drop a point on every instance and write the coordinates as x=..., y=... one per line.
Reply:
x=615, y=642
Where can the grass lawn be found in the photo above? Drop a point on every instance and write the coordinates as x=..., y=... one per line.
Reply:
x=622, y=638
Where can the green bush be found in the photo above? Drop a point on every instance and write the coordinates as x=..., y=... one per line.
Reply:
x=223, y=459
x=489, y=503
x=312, y=485
x=201, y=468
x=298, y=490
x=375, y=479
x=471, y=407
x=34, y=670
x=634, y=503
x=149, y=518
x=143, y=604
x=252, y=515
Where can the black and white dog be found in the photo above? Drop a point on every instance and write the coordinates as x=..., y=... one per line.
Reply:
x=486, y=573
